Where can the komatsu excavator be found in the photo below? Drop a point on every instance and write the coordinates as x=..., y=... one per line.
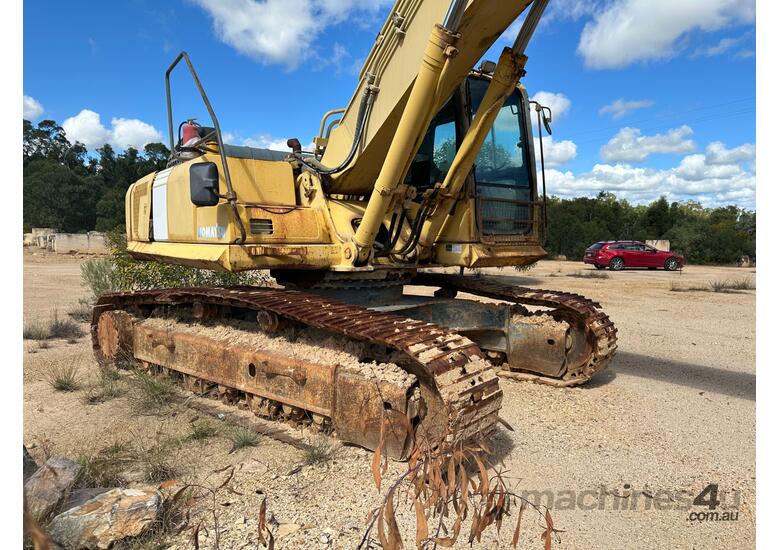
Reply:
x=430, y=165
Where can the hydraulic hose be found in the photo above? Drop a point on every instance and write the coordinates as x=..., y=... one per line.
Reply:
x=362, y=118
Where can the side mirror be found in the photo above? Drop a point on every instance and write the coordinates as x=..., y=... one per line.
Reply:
x=547, y=121
x=204, y=184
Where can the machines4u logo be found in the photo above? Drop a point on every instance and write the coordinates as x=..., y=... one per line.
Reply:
x=709, y=498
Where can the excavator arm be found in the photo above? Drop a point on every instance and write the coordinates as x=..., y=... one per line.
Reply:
x=451, y=50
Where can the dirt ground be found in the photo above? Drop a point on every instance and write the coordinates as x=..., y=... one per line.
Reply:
x=674, y=413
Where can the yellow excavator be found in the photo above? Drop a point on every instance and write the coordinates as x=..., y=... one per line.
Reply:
x=431, y=164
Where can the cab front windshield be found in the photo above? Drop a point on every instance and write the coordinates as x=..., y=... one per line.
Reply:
x=502, y=172
x=503, y=168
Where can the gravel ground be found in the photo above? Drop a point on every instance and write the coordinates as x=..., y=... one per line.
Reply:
x=674, y=413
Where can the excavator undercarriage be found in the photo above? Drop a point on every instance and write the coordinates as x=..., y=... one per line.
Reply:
x=419, y=379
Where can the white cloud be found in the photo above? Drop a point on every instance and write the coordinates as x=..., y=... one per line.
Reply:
x=725, y=45
x=556, y=153
x=32, y=108
x=265, y=141
x=280, y=31
x=558, y=103
x=717, y=153
x=620, y=108
x=87, y=128
x=721, y=176
x=629, y=145
x=627, y=31
x=556, y=11
x=127, y=132
x=722, y=46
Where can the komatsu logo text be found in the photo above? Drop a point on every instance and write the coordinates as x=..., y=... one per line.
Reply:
x=211, y=232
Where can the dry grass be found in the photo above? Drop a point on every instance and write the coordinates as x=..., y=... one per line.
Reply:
x=64, y=377
x=151, y=394
x=242, y=437
x=157, y=462
x=202, y=429
x=320, y=451
x=589, y=275
x=106, y=388
x=721, y=286
x=54, y=328
x=81, y=312
x=130, y=459
x=35, y=330
x=105, y=468
x=64, y=328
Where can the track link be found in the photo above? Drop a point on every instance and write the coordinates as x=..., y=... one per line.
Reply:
x=584, y=314
x=464, y=396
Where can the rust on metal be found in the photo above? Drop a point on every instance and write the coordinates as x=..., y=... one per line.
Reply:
x=590, y=344
x=457, y=395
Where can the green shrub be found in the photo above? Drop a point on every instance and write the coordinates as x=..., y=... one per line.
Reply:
x=105, y=389
x=98, y=276
x=525, y=268
x=120, y=272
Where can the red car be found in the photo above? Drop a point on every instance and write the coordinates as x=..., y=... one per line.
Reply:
x=619, y=254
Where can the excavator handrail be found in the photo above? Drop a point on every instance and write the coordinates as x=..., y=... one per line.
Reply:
x=230, y=196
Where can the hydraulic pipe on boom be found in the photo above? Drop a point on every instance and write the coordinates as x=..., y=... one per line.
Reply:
x=509, y=70
x=415, y=119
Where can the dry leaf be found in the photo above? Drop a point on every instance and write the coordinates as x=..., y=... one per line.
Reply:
x=548, y=531
x=167, y=483
x=422, y=523
x=516, y=536
x=261, y=522
x=394, y=533
x=376, y=461
x=195, y=537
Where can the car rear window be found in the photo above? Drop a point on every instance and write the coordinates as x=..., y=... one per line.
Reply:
x=596, y=246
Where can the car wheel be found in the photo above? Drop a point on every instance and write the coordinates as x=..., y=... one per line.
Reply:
x=616, y=264
x=672, y=264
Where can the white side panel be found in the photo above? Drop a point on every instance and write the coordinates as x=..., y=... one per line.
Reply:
x=160, y=205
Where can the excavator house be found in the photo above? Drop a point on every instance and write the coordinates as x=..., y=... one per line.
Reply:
x=366, y=335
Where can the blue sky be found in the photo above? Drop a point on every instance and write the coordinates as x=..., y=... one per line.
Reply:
x=649, y=96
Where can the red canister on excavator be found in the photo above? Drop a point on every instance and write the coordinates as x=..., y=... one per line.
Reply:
x=189, y=130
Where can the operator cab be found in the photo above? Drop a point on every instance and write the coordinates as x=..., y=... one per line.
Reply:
x=503, y=181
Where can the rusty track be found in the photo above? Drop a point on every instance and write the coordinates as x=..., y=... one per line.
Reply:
x=584, y=313
x=453, y=366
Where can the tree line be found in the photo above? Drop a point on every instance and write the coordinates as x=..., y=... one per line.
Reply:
x=703, y=235
x=67, y=188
